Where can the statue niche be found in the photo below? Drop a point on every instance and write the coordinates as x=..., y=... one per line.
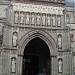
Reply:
x=13, y=65
x=16, y=17
x=59, y=41
x=60, y=65
x=22, y=17
x=14, y=39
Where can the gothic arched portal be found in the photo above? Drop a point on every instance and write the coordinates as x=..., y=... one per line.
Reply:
x=36, y=58
x=48, y=50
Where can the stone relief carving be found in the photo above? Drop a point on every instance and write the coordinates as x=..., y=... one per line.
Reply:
x=53, y=20
x=60, y=65
x=38, y=19
x=15, y=39
x=38, y=8
x=32, y=18
x=59, y=21
x=27, y=18
x=43, y=19
x=21, y=17
x=59, y=41
x=48, y=19
x=13, y=65
x=16, y=17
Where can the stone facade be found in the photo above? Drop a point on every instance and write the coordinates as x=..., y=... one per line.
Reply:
x=22, y=22
x=70, y=20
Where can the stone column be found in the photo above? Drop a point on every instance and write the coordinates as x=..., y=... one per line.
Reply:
x=19, y=65
x=6, y=62
x=0, y=63
x=54, y=68
x=67, y=63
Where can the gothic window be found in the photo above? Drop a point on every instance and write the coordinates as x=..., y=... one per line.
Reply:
x=43, y=19
x=27, y=17
x=58, y=20
x=53, y=20
x=21, y=17
x=13, y=64
x=59, y=41
x=60, y=65
x=38, y=19
x=48, y=20
x=16, y=17
x=32, y=18
x=14, y=39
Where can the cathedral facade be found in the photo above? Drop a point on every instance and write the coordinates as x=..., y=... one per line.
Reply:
x=34, y=38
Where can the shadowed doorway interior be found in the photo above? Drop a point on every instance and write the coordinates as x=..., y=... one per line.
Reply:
x=36, y=58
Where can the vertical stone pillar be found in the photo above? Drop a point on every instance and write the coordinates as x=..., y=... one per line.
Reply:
x=67, y=63
x=54, y=68
x=0, y=63
x=6, y=63
x=19, y=65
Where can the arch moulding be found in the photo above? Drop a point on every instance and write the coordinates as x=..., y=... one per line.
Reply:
x=47, y=38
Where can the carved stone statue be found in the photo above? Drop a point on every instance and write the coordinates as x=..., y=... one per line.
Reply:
x=43, y=19
x=48, y=20
x=13, y=62
x=60, y=65
x=32, y=19
x=15, y=39
x=38, y=19
x=16, y=15
x=59, y=41
x=59, y=21
x=21, y=18
x=27, y=18
x=53, y=20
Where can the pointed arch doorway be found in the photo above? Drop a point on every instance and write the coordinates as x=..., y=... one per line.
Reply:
x=36, y=58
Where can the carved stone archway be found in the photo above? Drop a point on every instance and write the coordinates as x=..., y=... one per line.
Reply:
x=28, y=37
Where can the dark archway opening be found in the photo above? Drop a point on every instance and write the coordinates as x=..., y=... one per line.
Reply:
x=36, y=59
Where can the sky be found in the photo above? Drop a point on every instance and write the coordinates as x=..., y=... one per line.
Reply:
x=70, y=3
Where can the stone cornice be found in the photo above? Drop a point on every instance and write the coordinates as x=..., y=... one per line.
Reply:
x=42, y=1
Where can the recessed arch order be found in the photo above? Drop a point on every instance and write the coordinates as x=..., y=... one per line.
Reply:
x=47, y=38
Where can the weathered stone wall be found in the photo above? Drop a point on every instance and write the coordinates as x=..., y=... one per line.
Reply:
x=25, y=34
